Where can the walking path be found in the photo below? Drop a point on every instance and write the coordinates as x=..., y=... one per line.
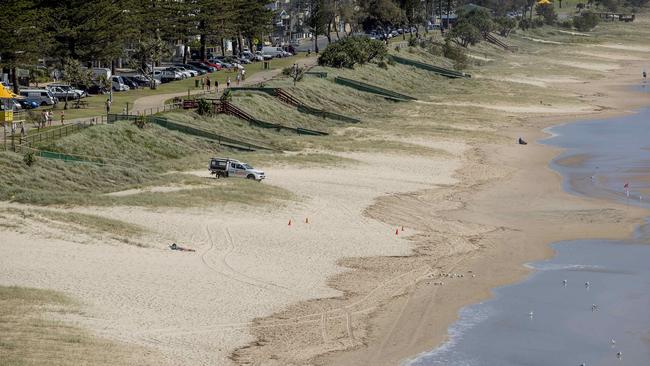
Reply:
x=153, y=102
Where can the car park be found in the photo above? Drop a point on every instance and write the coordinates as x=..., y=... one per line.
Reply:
x=198, y=70
x=27, y=103
x=264, y=56
x=61, y=92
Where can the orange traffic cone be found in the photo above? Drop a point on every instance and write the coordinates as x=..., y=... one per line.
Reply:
x=289, y=222
x=307, y=220
x=397, y=231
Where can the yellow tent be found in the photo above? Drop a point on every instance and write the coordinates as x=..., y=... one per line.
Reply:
x=6, y=93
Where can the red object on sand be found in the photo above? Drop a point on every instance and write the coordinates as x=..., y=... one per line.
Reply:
x=397, y=231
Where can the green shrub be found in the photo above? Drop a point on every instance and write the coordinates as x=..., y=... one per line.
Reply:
x=456, y=54
x=352, y=50
x=585, y=21
x=412, y=42
x=382, y=64
x=29, y=158
x=547, y=12
x=567, y=24
x=204, y=107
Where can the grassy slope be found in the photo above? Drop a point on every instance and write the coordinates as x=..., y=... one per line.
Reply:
x=28, y=337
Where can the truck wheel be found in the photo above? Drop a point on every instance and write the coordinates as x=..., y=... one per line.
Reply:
x=250, y=176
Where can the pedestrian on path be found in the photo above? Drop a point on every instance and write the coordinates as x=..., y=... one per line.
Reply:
x=228, y=83
x=207, y=81
x=203, y=83
x=238, y=78
x=62, y=118
x=23, y=132
x=216, y=86
x=243, y=74
x=50, y=117
x=108, y=106
x=43, y=120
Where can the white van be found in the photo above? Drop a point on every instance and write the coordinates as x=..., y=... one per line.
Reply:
x=41, y=96
x=273, y=51
x=118, y=83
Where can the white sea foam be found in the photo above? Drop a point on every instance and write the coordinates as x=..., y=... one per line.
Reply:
x=469, y=317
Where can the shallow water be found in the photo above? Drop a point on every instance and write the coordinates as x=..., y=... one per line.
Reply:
x=563, y=329
x=601, y=156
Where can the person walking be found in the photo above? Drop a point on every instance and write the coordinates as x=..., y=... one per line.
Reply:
x=243, y=74
x=43, y=120
x=108, y=106
x=203, y=83
x=23, y=132
x=216, y=86
x=228, y=82
x=238, y=78
x=50, y=117
x=207, y=81
x=62, y=118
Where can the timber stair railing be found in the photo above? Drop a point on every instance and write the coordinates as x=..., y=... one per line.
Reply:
x=302, y=107
x=496, y=41
x=230, y=109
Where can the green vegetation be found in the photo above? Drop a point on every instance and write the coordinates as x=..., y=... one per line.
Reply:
x=352, y=50
x=586, y=21
x=31, y=337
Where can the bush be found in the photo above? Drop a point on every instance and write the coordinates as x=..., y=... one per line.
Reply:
x=547, y=12
x=413, y=42
x=471, y=27
x=352, y=50
x=382, y=65
x=456, y=54
x=203, y=107
x=567, y=24
x=505, y=25
x=29, y=158
x=585, y=22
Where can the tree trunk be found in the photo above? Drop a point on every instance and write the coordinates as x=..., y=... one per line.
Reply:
x=329, y=31
x=240, y=42
x=336, y=29
x=14, y=79
x=316, y=43
x=448, y=12
x=223, y=49
x=186, y=51
x=203, y=41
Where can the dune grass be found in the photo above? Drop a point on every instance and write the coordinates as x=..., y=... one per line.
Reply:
x=135, y=158
x=29, y=337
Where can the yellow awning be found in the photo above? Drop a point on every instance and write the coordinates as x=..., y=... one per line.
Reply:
x=6, y=93
x=543, y=2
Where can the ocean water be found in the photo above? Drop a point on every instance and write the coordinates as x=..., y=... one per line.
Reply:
x=543, y=322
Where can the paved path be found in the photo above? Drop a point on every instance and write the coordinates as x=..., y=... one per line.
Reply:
x=153, y=102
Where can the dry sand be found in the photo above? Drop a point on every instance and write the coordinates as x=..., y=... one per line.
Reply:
x=249, y=294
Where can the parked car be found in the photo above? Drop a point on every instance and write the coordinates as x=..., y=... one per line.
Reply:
x=226, y=167
x=273, y=51
x=141, y=81
x=42, y=96
x=201, y=66
x=216, y=65
x=264, y=56
x=16, y=104
x=165, y=76
x=27, y=103
x=63, y=92
x=251, y=56
x=130, y=82
x=198, y=70
x=119, y=84
x=181, y=70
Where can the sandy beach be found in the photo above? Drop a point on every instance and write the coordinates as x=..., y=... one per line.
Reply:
x=372, y=259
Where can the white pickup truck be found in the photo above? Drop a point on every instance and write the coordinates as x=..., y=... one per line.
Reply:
x=226, y=167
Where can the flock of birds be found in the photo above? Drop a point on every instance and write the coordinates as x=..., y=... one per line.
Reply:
x=594, y=308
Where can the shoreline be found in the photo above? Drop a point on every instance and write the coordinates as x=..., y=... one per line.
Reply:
x=397, y=333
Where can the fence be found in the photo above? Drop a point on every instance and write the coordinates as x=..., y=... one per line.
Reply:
x=17, y=142
x=174, y=126
x=436, y=69
x=388, y=94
